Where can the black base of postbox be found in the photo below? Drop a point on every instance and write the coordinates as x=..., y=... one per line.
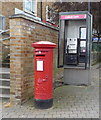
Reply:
x=43, y=104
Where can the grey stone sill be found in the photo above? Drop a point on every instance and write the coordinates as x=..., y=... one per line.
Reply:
x=32, y=19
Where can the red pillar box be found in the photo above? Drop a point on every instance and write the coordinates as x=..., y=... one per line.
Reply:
x=43, y=68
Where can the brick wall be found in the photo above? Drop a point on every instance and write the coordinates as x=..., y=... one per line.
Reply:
x=8, y=8
x=23, y=32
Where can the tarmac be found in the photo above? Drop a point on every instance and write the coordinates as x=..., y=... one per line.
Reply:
x=69, y=102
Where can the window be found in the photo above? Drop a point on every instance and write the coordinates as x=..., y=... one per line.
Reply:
x=50, y=13
x=2, y=22
x=30, y=6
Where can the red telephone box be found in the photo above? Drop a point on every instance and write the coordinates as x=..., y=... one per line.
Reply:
x=43, y=62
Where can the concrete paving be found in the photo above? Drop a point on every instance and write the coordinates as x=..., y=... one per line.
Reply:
x=69, y=102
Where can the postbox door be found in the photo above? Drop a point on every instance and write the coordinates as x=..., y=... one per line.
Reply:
x=43, y=77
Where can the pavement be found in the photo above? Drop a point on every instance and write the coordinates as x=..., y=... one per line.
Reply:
x=69, y=102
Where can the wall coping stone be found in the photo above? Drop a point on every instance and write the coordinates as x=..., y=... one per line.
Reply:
x=32, y=19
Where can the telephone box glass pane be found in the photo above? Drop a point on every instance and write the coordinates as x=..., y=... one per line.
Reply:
x=83, y=33
x=61, y=44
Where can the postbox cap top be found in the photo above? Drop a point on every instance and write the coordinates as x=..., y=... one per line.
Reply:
x=44, y=44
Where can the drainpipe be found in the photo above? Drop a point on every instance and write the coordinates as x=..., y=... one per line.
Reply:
x=41, y=9
x=89, y=6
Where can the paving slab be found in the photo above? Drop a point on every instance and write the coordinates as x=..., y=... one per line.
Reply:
x=69, y=102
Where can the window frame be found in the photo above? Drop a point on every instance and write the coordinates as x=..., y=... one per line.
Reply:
x=30, y=11
x=48, y=9
x=2, y=22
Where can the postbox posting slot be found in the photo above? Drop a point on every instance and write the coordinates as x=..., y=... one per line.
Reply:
x=40, y=55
